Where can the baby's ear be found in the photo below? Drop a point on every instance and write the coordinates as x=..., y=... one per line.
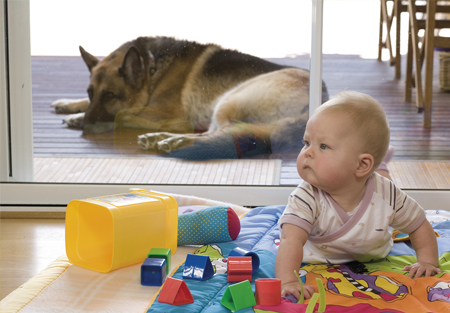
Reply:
x=366, y=162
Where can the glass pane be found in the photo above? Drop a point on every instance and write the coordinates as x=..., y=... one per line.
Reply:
x=350, y=62
x=166, y=85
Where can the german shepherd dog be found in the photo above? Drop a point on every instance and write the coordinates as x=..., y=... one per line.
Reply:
x=193, y=99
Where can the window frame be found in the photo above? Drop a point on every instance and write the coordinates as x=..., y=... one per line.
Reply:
x=19, y=193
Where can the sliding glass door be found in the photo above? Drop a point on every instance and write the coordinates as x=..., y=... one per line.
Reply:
x=46, y=162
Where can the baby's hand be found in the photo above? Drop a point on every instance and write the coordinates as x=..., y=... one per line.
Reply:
x=420, y=268
x=294, y=289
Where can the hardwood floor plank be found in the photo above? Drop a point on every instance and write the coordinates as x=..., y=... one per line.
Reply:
x=158, y=171
x=409, y=175
x=145, y=168
x=164, y=169
x=87, y=169
x=97, y=167
x=437, y=175
x=40, y=241
x=417, y=174
x=426, y=174
x=445, y=167
x=138, y=168
x=81, y=164
x=200, y=172
x=206, y=173
x=406, y=174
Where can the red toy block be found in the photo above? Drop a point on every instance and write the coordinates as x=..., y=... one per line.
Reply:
x=239, y=268
x=175, y=292
x=268, y=291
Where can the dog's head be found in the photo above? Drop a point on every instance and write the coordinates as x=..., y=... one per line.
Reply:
x=118, y=82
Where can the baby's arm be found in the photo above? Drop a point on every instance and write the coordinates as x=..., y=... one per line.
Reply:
x=289, y=258
x=424, y=242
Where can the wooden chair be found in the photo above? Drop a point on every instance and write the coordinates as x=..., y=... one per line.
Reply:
x=425, y=53
x=387, y=15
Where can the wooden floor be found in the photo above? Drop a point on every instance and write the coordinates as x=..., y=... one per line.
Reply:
x=27, y=246
x=406, y=174
x=420, y=175
x=156, y=171
x=68, y=77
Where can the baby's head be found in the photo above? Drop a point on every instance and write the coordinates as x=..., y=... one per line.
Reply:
x=368, y=120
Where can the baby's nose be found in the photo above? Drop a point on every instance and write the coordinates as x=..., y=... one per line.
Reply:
x=309, y=151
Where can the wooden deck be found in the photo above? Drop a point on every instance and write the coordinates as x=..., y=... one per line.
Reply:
x=156, y=171
x=67, y=77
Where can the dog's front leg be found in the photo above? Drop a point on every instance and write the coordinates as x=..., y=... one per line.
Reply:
x=70, y=105
x=74, y=120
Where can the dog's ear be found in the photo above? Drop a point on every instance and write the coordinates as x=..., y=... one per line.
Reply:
x=132, y=68
x=88, y=58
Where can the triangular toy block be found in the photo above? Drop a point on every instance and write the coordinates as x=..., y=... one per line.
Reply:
x=175, y=292
x=239, y=268
x=198, y=267
x=238, y=296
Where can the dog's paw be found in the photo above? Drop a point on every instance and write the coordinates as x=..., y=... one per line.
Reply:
x=150, y=141
x=74, y=120
x=70, y=106
x=164, y=142
x=174, y=143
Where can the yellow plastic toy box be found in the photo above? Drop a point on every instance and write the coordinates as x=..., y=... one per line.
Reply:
x=109, y=232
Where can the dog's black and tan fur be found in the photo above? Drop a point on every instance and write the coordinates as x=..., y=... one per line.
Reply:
x=173, y=87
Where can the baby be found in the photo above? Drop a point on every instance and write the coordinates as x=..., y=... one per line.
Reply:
x=344, y=211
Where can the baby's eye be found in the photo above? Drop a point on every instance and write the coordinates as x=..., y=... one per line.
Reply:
x=323, y=146
x=306, y=143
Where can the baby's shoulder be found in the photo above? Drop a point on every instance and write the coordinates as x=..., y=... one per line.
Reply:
x=384, y=185
x=387, y=191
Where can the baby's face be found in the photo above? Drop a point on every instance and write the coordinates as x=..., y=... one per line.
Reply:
x=330, y=156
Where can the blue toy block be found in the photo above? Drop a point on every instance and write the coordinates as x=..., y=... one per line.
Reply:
x=161, y=253
x=153, y=272
x=198, y=267
x=242, y=252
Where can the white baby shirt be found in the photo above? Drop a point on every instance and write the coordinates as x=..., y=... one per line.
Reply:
x=365, y=235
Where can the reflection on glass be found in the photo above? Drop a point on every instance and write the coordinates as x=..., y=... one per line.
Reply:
x=151, y=87
x=350, y=51
x=227, y=81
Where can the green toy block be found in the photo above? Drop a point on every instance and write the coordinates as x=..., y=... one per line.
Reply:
x=238, y=296
x=161, y=253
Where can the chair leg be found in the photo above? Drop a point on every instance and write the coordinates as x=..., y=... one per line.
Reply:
x=408, y=74
x=397, y=13
x=388, y=19
x=429, y=54
x=415, y=47
x=421, y=56
x=380, y=38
